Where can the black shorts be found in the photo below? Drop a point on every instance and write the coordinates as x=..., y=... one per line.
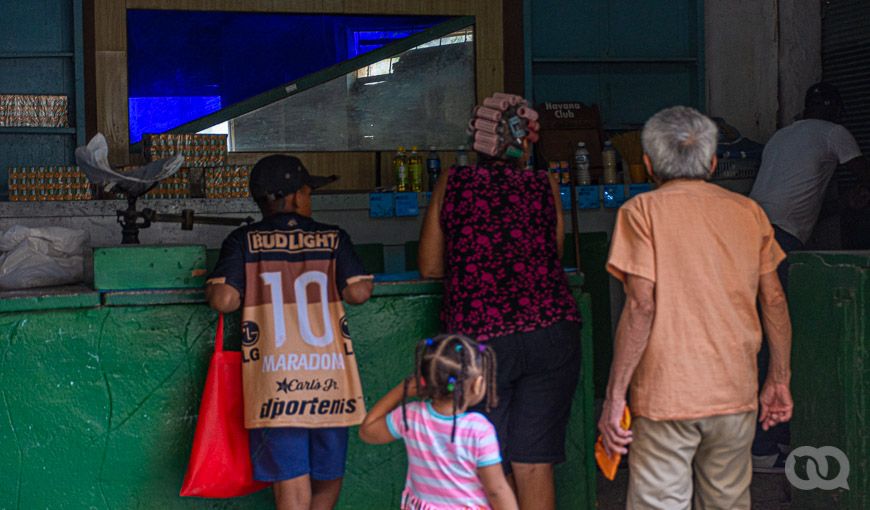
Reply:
x=537, y=377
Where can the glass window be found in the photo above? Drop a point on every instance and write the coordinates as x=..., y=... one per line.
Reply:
x=420, y=97
x=183, y=65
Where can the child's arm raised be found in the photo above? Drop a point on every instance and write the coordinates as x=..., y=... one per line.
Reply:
x=498, y=492
x=374, y=429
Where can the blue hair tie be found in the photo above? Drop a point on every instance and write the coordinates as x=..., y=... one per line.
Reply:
x=451, y=383
x=458, y=347
x=429, y=342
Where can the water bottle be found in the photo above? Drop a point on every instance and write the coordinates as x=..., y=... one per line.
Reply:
x=461, y=156
x=581, y=163
x=433, y=167
x=400, y=168
x=608, y=157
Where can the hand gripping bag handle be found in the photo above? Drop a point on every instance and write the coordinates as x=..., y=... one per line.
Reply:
x=220, y=463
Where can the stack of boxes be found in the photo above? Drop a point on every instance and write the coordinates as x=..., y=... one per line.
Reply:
x=200, y=151
x=205, y=173
x=177, y=186
x=22, y=110
x=48, y=183
x=202, y=155
x=227, y=182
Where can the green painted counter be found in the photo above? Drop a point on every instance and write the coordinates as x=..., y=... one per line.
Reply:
x=99, y=397
x=72, y=296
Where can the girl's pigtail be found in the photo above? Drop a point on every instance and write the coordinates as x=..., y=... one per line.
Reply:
x=459, y=393
x=453, y=430
x=419, y=354
x=404, y=400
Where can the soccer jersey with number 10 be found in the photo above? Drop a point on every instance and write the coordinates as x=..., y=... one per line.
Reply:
x=299, y=369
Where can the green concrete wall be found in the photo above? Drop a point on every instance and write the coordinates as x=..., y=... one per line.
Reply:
x=98, y=405
x=829, y=301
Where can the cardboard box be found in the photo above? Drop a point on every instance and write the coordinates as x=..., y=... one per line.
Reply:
x=47, y=183
x=226, y=182
x=199, y=151
x=24, y=110
x=563, y=125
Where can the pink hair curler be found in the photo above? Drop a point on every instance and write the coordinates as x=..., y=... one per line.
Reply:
x=512, y=99
x=485, y=148
x=487, y=113
x=527, y=113
x=497, y=103
x=487, y=126
x=487, y=138
x=533, y=136
x=533, y=125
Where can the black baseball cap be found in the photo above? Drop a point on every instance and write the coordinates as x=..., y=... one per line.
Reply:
x=280, y=175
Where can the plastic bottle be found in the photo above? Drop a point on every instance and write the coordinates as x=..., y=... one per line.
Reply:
x=461, y=156
x=433, y=167
x=608, y=157
x=400, y=168
x=415, y=170
x=581, y=163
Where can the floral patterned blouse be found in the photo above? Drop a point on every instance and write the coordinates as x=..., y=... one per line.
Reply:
x=503, y=274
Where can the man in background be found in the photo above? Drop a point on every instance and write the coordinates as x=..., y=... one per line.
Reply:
x=796, y=167
x=693, y=259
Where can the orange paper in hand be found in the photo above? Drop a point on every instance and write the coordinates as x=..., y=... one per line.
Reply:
x=609, y=463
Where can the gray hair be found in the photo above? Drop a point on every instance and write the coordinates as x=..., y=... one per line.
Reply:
x=680, y=141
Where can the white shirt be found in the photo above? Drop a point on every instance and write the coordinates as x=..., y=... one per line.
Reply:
x=796, y=166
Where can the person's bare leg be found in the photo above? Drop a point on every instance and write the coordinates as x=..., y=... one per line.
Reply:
x=324, y=494
x=293, y=494
x=512, y=482
x=536, y=488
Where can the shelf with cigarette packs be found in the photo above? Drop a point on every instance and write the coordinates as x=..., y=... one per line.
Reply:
x=42, y=105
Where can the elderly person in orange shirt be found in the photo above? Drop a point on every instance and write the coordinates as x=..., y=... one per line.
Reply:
x=694, y=259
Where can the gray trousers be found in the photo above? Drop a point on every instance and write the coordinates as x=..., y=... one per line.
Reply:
x=708, y=461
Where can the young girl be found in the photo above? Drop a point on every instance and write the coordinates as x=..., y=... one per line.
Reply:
x=453, y=455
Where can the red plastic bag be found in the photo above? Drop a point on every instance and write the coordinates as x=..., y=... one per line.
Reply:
x=220, y=464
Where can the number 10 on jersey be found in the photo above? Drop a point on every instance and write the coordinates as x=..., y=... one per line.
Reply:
x=274, y=281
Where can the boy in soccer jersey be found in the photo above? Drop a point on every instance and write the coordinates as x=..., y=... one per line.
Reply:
x=289, y=274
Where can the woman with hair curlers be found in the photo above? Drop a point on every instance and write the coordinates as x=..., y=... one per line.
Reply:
x=494, y=232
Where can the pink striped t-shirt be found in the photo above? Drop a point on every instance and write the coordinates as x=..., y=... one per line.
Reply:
x=442, y=475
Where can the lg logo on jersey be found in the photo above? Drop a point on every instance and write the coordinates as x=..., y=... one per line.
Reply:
x=250, y=336
x=250, y=333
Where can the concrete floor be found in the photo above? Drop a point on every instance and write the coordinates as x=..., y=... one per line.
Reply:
x=769, y=492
